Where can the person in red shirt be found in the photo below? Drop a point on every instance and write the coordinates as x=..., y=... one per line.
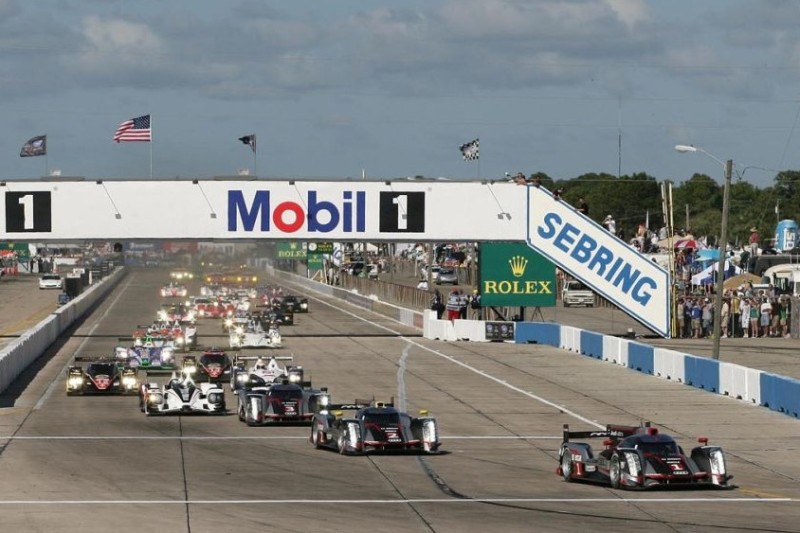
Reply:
x=754, y=240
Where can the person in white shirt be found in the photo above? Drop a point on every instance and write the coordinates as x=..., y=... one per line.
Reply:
x=766, y=311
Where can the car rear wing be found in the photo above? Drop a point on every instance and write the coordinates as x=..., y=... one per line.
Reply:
x=358, y=404
x=94, y=358
x=614, y=431
x=264, y=357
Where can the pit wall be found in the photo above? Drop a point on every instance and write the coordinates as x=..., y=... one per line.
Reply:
x=779, y=393
x=19, y=354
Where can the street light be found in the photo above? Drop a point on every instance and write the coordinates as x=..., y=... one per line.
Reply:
x=728, y=169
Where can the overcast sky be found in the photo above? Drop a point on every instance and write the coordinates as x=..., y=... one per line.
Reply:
x=331, y=87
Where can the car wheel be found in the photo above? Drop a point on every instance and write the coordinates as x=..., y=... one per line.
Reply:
x=316, y=437
x=566, y=465
x=340, y=443
x=615, y=473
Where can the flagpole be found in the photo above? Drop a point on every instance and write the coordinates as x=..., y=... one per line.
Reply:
x=46, y=165
x=151, y=146
x=255, y=154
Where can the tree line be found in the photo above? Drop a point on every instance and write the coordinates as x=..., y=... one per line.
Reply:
x=697, y=202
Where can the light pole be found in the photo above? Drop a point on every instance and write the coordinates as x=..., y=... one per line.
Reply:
x=728, y=169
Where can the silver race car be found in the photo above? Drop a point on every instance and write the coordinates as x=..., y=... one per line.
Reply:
x=181, y=395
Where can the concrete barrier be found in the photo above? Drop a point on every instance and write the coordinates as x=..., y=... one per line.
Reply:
x=19, y=354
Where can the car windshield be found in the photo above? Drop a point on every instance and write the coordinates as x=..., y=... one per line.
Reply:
x=382, y=419
x=446, y=272
x=214, y=358
x=286, y=394
x=576, y=286
x=658, y=448
x=52, y=277
x=99, y=369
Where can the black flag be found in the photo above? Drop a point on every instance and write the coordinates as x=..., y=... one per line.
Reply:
x=35, y=146
x=251, y=140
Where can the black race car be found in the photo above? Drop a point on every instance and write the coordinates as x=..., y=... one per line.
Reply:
x=294, y=304
x=374, y=427
x=101, y=376
x=639, y=457
x=214, y=366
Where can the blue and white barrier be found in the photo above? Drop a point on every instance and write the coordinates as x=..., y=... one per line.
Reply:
x=17, y=355
x=779, y=393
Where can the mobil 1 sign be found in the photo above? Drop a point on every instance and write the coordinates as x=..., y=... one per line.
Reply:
x=608, y=265
x=513, y=274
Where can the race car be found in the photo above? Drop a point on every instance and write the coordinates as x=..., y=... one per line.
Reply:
x=261, y=403
x=181, y=275
x=147, y=353
x=254, y=336
x=174, y=290
x=294, y=304
x=180, y=313
x=265, y=370
x=181, y=395
x=213, y=366
x=100, y=376
x=375, y=427
x=639, y=457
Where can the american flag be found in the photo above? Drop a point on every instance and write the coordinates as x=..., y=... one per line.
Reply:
x=135, y=129
x=470, y=151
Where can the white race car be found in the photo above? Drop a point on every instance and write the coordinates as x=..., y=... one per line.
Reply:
x=265, y=371
x=253, y=336
x=182, y=395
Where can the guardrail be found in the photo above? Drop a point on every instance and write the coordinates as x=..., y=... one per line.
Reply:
x=19, y=354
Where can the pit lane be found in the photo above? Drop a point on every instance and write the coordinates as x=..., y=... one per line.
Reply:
x=82, y=463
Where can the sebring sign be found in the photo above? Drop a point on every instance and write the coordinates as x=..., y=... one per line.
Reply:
x=600, y=260
x=513, y=274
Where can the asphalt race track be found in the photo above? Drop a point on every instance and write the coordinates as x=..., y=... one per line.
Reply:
x=98, y=464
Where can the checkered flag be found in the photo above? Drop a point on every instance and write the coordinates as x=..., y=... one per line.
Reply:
x=470, y=151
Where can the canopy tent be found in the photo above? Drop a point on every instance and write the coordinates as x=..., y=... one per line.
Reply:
x=706, y=276
x=736, y=281
x=668, y=242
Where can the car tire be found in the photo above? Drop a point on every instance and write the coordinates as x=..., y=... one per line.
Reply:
x=566, y=466
x=615, y=473
x=340, y=443
x=316, y=437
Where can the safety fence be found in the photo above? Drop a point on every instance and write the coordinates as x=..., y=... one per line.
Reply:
x=19, y=354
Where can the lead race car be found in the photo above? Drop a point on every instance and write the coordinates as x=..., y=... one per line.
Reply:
x=375, y=427
x=181, y=395
x=264, y=371
x=639, y=457
x=100, y=376
x=252, y=335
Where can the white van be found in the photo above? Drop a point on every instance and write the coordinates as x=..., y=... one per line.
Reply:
x=576, y=293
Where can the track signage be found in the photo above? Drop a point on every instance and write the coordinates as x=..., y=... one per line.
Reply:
x=599, y=259
x=511, y=273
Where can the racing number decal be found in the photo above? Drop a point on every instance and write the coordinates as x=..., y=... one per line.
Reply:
x=28, y=212
x=402, y=212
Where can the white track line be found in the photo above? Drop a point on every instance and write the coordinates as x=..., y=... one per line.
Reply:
x=265, y=437
x=639, y=501
x=460, y=363
x=52, y=386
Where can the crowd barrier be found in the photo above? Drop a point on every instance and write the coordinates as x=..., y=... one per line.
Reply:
x=779, y=393
x=17, y=355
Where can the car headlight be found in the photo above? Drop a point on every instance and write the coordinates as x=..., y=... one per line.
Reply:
x=166, y=354
x=324, y=400
x=75, y=382
x=717, y=461
x=634, y=464
x=179, y=341
x=129, y=382
x=303, y=305
x=353, y=433
x=214, y=397
x=294, y=377
x=429, y=433
x=228, y=322
x=241, y=377
x=190, y=369
x=239, y=330
x=155, y=398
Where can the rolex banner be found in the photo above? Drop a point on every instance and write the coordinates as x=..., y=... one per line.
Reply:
x=512, y=274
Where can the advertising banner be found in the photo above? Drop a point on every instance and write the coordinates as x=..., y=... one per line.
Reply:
x=220, y=209
x=611, y=267
x=320, y=248
x=512, y=274
x=499, y=331
x=291, y=250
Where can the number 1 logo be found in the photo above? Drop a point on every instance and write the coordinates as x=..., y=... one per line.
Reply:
x=28, y=212
x=402, y=212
